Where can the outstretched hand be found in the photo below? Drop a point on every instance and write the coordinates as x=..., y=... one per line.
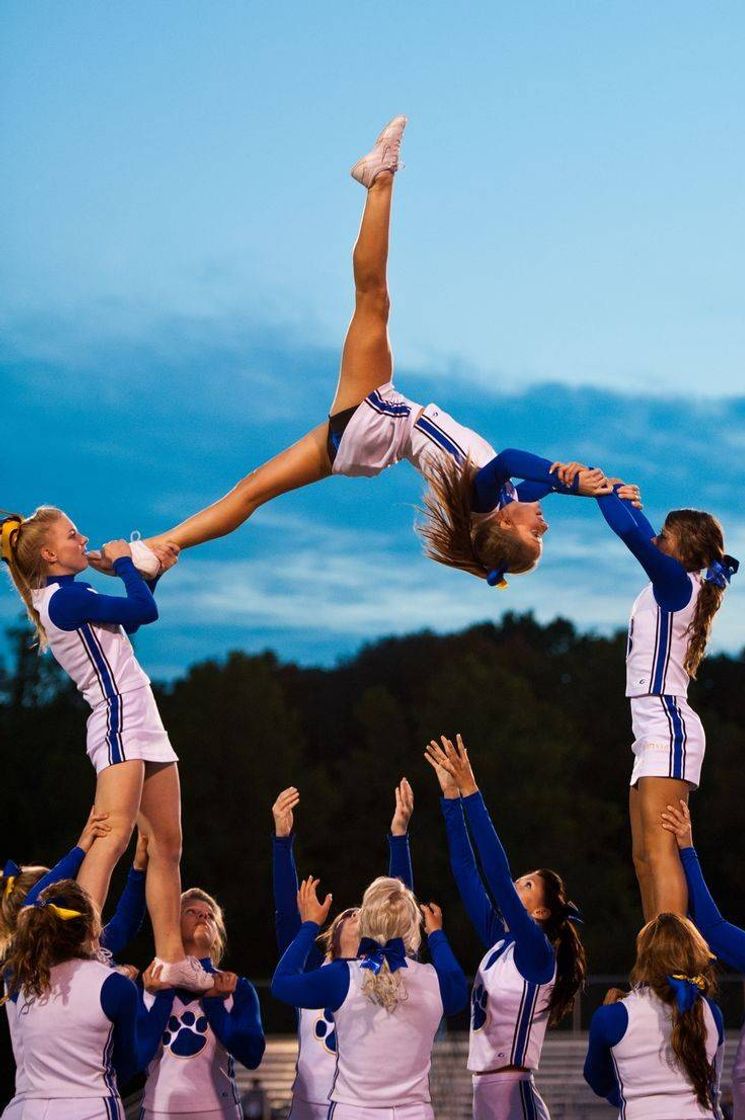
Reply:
x=308, y=904
x=454, y=760
x=404, y=808
x=448, y=784
x=592, y=482
x=678, y=821
x=282, y=808
x=432, y=916
x=629, y=491
x=95, y=826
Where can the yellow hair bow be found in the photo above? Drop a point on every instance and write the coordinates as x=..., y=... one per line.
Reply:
x=9, y=884
x=699, y=981
x=62, y=912
x=8, y=526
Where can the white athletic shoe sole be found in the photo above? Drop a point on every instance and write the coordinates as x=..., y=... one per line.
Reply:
x=384, y=154
x=144, y=559
x=187, y=973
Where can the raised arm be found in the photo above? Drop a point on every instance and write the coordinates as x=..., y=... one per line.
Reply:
x=322, y=987
x=68, y=867
x=486, y=919
x=450, y=976
x=399, y=853
x=74, y=604
x=239, y=1029
x=284, y=872
x=670, y=581
x=724, y=938
x=537, y=472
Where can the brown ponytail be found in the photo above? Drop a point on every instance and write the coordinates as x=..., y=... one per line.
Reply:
x=46, y=937
x=671, y=945
x=698, y=542
x=454, y=536
x=21, y=549
x=571, y=962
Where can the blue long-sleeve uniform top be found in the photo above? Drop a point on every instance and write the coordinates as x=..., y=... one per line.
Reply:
x=285, y=882
x=239, y=1029
x=490, y=482
x=726, y=940
x=328, y=986
x=492, y=903
x=137, y=1029
x=607, y=1027
x=75, y=602
x=130, y=909
x=670, y=581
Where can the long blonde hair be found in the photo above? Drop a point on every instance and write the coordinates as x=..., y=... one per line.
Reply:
x=21, y=549
x=671, y=946
x=389, y=910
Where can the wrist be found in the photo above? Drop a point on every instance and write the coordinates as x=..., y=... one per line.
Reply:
x=451, y=793
x=468, y=789
x=398, y=831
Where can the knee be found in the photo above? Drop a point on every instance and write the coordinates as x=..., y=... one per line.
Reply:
x=165, y=848
x=641, y=862
x=117, y=840
x=372, y=299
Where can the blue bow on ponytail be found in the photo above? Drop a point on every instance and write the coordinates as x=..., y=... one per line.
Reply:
x=374, y=954
x=686, y=989
x=572, y=913
x=495, y=578
x=720, y=572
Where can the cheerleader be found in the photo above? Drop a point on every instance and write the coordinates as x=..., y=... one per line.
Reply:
x=656, y=1053
x=387, y=1006
x=535, y=963
x=192, y=1075
x=137, y=776
x=82, y=1025
x=21, y=886
x=316, y=1061
x=726, y=940
x=670, y=624
x=476, y=519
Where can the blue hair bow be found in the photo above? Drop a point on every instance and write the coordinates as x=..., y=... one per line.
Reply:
x=686, y=990
x=11, y=868
x=495, y=578
x=720, y=572
x=374, y=953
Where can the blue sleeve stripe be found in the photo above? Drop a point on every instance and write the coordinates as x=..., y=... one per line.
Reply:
x=438, y=437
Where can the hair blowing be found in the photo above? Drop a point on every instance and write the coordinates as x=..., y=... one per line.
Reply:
x=698, y=543
x=455, y=537
x=42, y=939
x=667, y=945
x=27, y=569
x=389, y=909
x=571, y=963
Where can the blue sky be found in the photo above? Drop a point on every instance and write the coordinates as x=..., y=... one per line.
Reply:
x=174, y=287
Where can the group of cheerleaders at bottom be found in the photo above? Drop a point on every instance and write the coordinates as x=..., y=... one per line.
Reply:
x=75, y=1021
x=369, y=1009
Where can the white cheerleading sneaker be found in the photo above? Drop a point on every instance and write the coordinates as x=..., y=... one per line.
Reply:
x=384, y=154
x=187, y=973
x=143, y=558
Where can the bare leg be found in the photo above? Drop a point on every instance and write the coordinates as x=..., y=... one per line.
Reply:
x=661, y=850
x=641, y=866
x=118, y=792
x=366, y=363
x=160, y=820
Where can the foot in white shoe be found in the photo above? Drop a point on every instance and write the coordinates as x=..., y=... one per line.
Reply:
x=143, y=558
x=383, y=156
x=187, y=973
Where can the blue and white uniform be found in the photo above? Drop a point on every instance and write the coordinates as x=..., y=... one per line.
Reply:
x=669, y=739
x=384, y=1057
x=193, y=1072
x=317, y=1048
x=87, y=635
x=515, y=980
x=630, y=1060
x=115, y=935
x=727, y=942
x=387, y=427
x=86, y=1036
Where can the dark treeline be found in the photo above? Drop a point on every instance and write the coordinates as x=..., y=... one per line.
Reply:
x=541, y=708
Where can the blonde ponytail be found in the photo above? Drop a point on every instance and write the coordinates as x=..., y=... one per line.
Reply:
x=21, y=540
x=389, y=911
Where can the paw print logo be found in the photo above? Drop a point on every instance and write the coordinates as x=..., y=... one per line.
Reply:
x=324, y=1031
x=185, y=1037
x=479, y=1001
